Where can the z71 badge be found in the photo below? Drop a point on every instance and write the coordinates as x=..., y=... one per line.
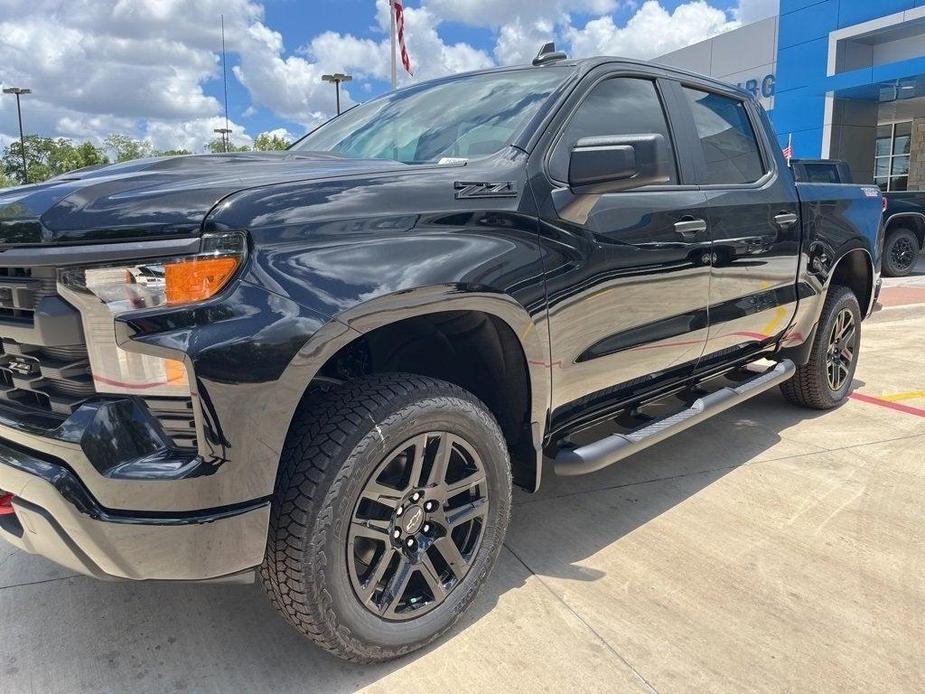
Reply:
x=484, y=190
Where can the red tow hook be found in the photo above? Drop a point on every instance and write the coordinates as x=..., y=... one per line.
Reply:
x=6, y=504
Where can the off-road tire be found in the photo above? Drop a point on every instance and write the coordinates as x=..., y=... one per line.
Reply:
x=809, y=386
x=336, y=441
x=891, y=266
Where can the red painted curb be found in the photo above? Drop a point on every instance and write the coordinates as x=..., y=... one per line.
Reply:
x=886, y=403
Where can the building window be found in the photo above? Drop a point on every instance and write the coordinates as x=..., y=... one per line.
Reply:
x=891, y=161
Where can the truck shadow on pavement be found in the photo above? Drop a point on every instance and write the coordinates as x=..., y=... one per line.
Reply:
x=176, y=637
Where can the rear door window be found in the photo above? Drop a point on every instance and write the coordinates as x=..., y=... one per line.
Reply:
x=730, y=148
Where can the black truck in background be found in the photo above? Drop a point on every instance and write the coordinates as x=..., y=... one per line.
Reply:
x=903, y=214
x=330, y=365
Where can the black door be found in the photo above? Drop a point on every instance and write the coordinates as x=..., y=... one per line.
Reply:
x=627, y=282
x=752, y=214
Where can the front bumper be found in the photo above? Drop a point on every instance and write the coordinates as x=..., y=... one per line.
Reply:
x=55, y=516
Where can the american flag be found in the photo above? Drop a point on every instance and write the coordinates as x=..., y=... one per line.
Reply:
x=400, y=24
x=788, y=150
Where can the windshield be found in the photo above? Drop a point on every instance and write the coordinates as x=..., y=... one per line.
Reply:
x=461, y=117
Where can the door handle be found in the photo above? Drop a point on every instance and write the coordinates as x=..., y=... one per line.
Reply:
x=785, y=220
x=689, y=227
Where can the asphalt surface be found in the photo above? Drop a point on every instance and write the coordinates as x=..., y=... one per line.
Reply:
x=767, y=549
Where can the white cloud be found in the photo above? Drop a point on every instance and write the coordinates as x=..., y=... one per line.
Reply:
x=498, y=13
x=651, y=31
x=141, y=67
x=750, y=11
x=519, y=41
x=192, y=135
x=279, y=132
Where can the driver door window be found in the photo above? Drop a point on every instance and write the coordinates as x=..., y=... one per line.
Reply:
x=617, y=106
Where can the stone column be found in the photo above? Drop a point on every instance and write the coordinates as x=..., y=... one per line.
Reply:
x=917, y=158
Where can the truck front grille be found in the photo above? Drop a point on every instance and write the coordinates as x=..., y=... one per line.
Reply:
x=20, y=292
x=56, y=378
x=35, y=377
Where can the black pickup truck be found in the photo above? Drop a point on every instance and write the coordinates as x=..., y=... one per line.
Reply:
x=329, y=365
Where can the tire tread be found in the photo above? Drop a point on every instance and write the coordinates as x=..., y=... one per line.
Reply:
x=314, y=467
x=809, y=386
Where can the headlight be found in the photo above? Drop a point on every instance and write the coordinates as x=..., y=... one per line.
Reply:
x=104, y=291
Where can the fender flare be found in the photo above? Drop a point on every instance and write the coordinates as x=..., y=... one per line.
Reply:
x=798, y=339
x=920, y=216
x=381, y=311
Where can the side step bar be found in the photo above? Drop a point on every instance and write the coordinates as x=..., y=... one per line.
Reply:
x=614, y=448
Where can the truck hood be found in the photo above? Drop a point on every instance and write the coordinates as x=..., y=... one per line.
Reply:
x=160, y=197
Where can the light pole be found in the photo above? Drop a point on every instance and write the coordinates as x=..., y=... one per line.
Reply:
x=224, y=132
x=18, y=91
x=337, y=78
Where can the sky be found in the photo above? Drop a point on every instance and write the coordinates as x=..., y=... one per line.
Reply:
x=153, y=68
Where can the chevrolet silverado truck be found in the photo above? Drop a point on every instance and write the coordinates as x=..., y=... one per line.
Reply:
x=329, y=365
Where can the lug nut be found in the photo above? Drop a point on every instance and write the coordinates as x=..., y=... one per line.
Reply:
x=410, y=542
x=416, y=496
x=396, y=533
x=400, y=510
x=430, y=506
x=426, y=528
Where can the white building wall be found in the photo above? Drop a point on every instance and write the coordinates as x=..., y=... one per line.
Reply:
x=746, y=56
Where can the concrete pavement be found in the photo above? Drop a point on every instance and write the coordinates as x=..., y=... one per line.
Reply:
x=768, y=549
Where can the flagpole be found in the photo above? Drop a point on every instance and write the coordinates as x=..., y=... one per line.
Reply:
x=392, y=38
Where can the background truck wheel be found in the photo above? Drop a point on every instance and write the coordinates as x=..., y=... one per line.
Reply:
x=825, y=380
x=900, y=252
x=392, y=501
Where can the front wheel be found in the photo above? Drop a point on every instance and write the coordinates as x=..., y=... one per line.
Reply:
x=825, y=380
x=392, y=502
x=900, y=252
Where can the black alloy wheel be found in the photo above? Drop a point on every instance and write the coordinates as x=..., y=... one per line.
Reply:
x=841, y=349
x=390, y=508
x=903, y=253
x=825, y=380
x=900, y=252
x=417, y=524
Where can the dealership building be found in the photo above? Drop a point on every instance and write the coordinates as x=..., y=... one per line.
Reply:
x=844, y=78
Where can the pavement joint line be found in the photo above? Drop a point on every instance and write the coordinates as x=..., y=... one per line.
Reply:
x=581, y=619
x=719, y=468
x=35, y=583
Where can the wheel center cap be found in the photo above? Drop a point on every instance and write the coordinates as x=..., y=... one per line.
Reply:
x=413, y=519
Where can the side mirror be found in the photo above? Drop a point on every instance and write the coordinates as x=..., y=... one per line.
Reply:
x=611, y=163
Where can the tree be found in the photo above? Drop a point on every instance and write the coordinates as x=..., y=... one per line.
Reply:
x=7, y=181
x=171, y=152
x=217, y=146
x=126, y=148
x=268, y=141
x=47, y=157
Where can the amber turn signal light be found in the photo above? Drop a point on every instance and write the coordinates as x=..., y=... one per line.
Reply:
x=194, y=280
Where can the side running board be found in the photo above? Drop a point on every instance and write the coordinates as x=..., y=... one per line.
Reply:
x=611, y=449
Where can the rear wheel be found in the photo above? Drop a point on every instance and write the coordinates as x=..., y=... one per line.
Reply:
x=900, y=252
x=393, y=500
x=825, y=380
